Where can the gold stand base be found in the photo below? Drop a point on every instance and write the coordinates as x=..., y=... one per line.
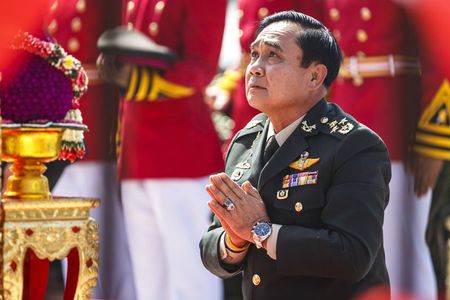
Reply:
x=51, y=228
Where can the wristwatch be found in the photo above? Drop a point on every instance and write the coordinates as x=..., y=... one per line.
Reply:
x=261, y=231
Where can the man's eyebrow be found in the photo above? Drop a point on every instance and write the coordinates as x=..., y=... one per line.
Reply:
x=272, y=44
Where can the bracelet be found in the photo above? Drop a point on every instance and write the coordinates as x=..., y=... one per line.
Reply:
x=230, y=246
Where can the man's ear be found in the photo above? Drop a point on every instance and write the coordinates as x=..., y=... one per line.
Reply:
x=318, y=73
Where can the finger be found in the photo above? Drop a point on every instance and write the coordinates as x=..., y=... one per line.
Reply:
x=250, y=189
x=221, y=213
x=217, y=195
x=227, y=186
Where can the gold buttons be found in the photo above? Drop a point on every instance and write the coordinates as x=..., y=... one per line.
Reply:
x=53, y=26
x=263, y=12
x=334, y=14
x=73, y=45
x=159, y=7
x=361, y=36
x=130, y=6
x=81, y=6
x=240, y=13
x=298, y=207
x=337, y=35
x=256, y=280
x=358, y=81
x=323, y=120
x=366, y=14
x=54, y=5
x=75, y=24
x=153, y=28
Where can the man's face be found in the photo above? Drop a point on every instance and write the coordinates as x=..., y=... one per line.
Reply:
x=274, y=79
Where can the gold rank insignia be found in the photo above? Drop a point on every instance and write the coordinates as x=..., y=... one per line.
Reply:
x=282, y=194
x=304, y=163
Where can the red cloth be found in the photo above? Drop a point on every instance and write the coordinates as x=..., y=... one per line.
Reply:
x=388, y=105
x=99, y=104
x=175, y=137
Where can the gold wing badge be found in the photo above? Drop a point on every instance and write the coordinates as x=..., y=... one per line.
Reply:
x=304, y=162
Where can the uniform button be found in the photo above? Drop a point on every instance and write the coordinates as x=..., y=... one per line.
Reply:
x=263, y=12
x=159, y=6
x=81, y=6
x=53, y=26
x=323, y=120
x=298, y=207
x=256, y=279
x=334, y=14
x=75, y=24
x=361, y=36
x=54, y=6
x=130, y=6
x=366, y=14
x=240, y=13
x=358, y=81
x=337, y=35
x=73, y=45
x=153, y=28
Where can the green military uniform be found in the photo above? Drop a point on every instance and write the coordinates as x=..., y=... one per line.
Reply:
x=328, y=186
x=437, y=233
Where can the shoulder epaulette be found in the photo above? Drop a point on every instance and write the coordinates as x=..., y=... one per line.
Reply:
x=433, y=131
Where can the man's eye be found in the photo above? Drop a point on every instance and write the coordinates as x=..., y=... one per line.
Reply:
x=254, y=54
x=273, y=54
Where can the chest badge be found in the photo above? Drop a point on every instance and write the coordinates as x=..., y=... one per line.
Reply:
x=243, y=165
x=282, y=194
x=237, y=174
x=303, y=164
x=298, y=179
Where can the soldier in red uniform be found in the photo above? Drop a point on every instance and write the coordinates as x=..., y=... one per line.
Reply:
x=168, y=146
x=381, y=85
x=76, y=25
x=230, y=84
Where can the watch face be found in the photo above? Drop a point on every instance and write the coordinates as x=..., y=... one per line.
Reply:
x=262, y=229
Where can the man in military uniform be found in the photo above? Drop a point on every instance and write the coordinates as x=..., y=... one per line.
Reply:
x=300, y=208
x=76, y=25
x=168, y=145
x=385, y=84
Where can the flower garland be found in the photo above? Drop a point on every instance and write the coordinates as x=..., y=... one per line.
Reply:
x=73, y=140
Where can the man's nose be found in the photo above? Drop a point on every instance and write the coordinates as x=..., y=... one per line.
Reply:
x=256, y=69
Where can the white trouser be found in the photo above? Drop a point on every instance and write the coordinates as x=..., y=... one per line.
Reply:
x=407, y=256
x=165, y=219
x=98, y=180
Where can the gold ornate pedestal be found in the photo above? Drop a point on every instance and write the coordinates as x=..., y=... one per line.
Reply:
x=51, y=228
x=31, y=219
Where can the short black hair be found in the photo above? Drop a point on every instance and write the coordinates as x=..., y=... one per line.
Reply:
x=315, y=40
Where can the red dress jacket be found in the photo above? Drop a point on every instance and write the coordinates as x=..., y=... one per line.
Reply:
x=393, y=105
x=166, y=128
x=76, y=25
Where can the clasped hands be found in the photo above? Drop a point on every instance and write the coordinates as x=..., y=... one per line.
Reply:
x=248, y=209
